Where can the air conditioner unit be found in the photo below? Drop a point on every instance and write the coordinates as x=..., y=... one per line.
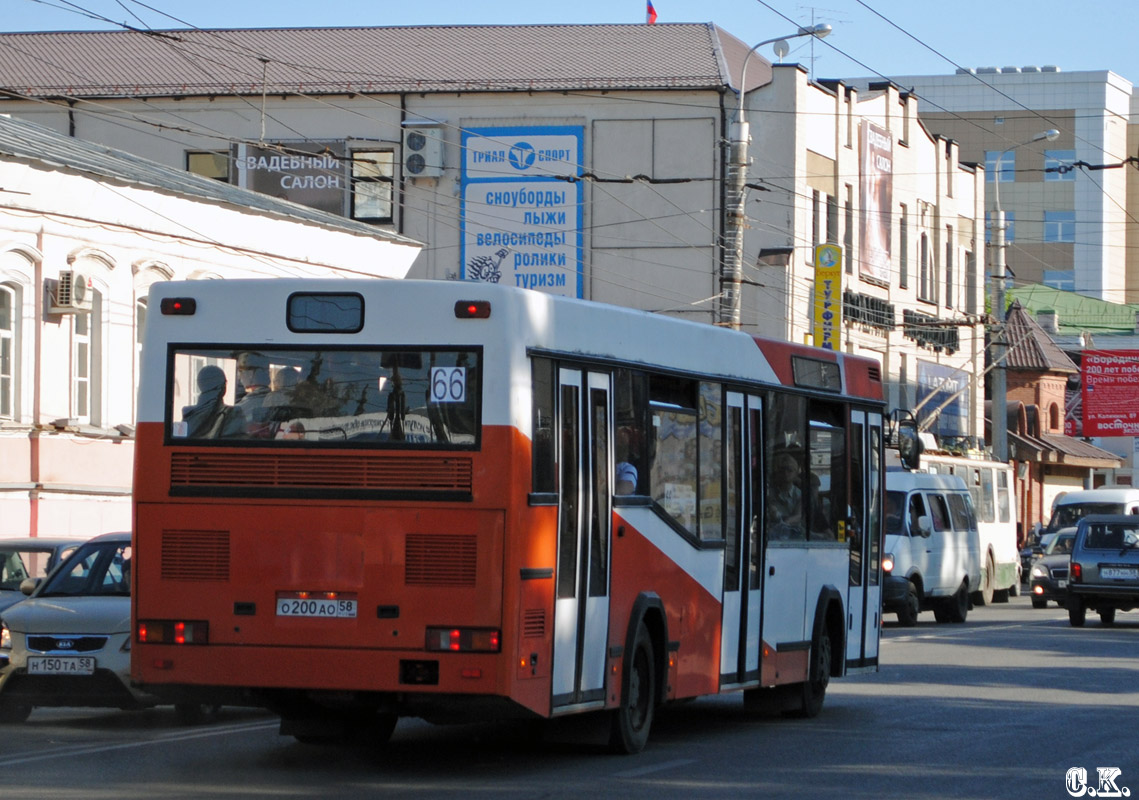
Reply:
x=72, y=293
x=422, y=150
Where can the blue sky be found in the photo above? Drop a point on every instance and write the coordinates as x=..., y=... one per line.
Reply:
x=886, y=37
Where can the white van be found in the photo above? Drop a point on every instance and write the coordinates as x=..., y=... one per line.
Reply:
x=932, y=550
x=1070, y=508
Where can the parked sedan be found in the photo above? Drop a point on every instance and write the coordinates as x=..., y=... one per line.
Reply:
x=69, y=643
x=29, y=557
x=1048, y=577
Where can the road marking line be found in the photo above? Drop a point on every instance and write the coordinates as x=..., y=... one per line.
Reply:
x=82, y=750
x=636, y=773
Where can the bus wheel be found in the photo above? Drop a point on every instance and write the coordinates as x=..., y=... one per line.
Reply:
x=629, y=729
x=13, y=713
x=984, y=596
x=908, y=613
x=195, y=713
x=813, y=691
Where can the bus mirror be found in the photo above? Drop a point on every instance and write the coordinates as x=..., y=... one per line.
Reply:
x=909, y=443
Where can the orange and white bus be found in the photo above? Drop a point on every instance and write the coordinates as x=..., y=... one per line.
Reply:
x=360, y=500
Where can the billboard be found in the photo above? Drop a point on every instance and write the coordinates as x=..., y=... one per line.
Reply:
x=1111, y=389
x=876, y=190
x=947, y=388
x=521, y=211
x=828, y=296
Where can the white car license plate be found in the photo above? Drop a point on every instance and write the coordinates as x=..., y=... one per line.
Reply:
x=1119, y=573
x=339, y=608
x=62, y=665
x=1061, y=584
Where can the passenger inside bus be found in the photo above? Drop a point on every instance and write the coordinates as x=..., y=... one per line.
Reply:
x=785, y=499
x=625, y=472
x=210, y=417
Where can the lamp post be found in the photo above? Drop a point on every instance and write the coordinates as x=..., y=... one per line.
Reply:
x=999, y=420
x=731, y=275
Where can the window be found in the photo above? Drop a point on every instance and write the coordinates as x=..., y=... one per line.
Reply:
x=1063, y=279
x=1006, y=168
x=815, y=222
x=1060, y=226
x=1004, y=502
x=832, y=220
x=848, y=234
x=7, y=353
x=949, y=266
x=1054, y=160
x=924, y=277
x=209, y=164
x=904, y=249
x=81, y=366
x=372, y=179
x=961, y=511
x=1010, y=228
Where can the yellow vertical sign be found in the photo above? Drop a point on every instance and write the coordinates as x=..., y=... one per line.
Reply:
x=827, y=303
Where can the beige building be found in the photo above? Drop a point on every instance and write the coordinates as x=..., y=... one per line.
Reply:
x=84, y=232
x=583, y=160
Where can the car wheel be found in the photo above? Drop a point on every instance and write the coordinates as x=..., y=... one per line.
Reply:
x=957, y=606
x=631, y=721
x=1077, y=611
x=1039, y=602
x=13, y=713
x=1107, y=616
x=908, y=613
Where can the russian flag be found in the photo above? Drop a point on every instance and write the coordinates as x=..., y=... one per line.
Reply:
x=650, y=12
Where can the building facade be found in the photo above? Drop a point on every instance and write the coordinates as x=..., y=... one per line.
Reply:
x=584, y=160
x=1066, y=201
x=84, y=232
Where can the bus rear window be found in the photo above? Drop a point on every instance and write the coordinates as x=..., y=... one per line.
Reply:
x=403, y=397
x=325, y=312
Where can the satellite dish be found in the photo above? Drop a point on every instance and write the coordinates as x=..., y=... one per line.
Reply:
x=781, y=48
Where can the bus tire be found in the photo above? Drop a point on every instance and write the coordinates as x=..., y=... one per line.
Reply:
x=908, y=613
x=812, y=692
x=632, y=719
x=195, y=713
x=984, y=595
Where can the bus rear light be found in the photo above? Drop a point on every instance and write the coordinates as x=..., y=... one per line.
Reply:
x=168, y=631
x=464, y=640
x=472, y=309
x=163, y=663
x=178, y=306
x=470, y=672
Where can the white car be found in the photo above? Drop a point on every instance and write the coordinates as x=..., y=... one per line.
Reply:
x=69, y=643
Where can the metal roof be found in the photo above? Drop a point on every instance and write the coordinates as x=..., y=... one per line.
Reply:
x=1030, y=347
x=35, y=143
x=175, y=63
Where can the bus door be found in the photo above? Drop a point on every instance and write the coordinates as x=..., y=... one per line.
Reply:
x=581, y=612
x=864, y=598
x=739, y=631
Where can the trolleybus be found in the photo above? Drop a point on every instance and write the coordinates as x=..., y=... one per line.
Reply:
x=361, y=500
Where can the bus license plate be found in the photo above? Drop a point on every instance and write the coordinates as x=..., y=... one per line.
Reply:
x=340, y=608
x=51, y=665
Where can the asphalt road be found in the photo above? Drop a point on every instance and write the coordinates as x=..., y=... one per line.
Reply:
x=1003, y=706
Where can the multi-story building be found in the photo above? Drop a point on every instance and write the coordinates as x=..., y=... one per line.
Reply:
x=1066, y=200
x=588, y=160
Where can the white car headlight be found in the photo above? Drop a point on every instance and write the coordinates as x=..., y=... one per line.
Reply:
x=1039, y=572
x=5, y=637
x=888, y=562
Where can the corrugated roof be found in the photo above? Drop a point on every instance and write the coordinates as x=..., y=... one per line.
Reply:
x=30, y=142
x=366, y=60
x=1030, y=347
x=1075, y=313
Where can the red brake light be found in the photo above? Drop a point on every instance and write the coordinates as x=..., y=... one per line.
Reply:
x=464, y=640
x=472, y=309
x=178, y=306
x=168, y=631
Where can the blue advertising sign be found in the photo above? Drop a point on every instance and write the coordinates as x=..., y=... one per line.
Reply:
x=950, y=386
x=521, y=209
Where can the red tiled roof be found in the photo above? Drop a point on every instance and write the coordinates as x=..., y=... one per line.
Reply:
x=1031, y=348
x=373, y=60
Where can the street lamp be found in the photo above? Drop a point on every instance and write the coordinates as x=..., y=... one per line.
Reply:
x=999, y=421
x=731, y=276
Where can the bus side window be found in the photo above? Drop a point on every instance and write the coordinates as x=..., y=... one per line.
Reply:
x=544, y=452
